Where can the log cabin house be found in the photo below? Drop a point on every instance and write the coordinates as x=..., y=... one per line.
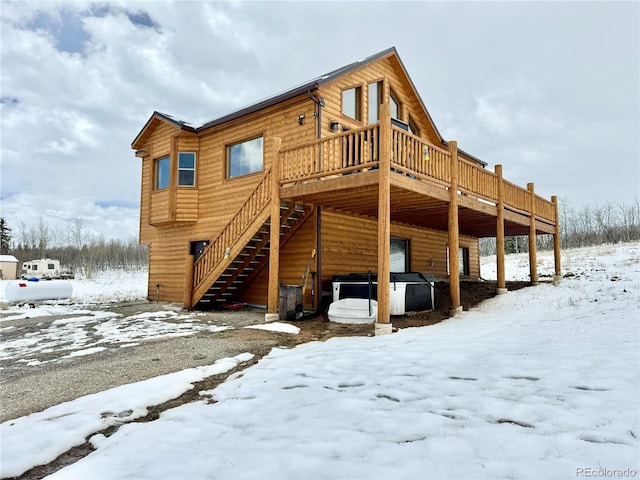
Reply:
x=349, y=165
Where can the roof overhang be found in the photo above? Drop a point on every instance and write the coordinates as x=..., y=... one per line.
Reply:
x=155, y=119
x=305, y=88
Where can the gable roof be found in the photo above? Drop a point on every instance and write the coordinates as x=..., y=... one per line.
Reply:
x=306, y=87
x=157, y=117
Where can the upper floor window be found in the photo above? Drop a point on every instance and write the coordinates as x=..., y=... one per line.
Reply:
x=245, y=157
x=374, y=99
x=161, y=167
x=351, y=102
x=413, y=127
x=186, y=169
x=395, y=105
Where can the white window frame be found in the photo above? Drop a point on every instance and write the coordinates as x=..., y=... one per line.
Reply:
x=187, y=169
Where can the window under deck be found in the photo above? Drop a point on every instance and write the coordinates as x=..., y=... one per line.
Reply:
x=342, y=172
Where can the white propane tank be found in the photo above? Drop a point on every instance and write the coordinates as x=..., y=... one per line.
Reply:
x=22, y=290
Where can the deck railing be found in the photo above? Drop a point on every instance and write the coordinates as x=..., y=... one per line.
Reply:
x=517, y=198
x=346, y=152
x=359, y=150
x=216, y=251
x=411, y=155
x=545, y=209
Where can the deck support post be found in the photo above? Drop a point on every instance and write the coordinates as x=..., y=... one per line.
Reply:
x=383, y=324
x=188, y=283
x=274, y=235
x=454, y=232
x=557, y=276
x=501, y=286
x=533, y=259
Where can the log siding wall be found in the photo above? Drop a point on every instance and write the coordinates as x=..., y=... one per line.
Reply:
x=354, y=238
x=201, y=212
x=349, y=242
x=387, y=71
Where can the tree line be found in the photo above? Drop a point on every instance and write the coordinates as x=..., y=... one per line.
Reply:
x=581, y=226
x=79, y=250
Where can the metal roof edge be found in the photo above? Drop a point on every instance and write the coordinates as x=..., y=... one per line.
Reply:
x=295, y=91
x=164, y=117
x=417, y=92
x=467, y=154
x=260, y=105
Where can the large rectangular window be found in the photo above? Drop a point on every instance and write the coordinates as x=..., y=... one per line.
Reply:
x=161, y=168
x=245, y=157
x=186, y=169
x=399, y=258
x=413, y=126
x=351, y=103
x=374, y=99
x=395, y=105
x=463, y=261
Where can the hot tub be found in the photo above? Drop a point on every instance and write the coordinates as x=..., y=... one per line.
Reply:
x=409, y=292
x=353, y=310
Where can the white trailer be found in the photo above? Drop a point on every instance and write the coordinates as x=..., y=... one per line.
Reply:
x=43, y=268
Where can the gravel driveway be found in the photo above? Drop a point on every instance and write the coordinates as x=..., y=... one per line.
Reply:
x=46, y=360
x=49, y=360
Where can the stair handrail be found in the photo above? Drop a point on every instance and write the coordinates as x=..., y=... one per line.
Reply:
x=220, y=247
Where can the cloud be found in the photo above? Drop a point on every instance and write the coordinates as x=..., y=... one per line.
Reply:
x=525, y=84
x=109, y=219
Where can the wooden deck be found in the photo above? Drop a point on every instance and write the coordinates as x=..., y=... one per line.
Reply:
x=385, y=173
x=342, y=172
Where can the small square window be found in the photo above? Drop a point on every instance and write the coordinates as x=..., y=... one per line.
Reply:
x=161, y=173
x=186, y=169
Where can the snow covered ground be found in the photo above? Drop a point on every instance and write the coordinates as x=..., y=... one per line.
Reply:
x=541, y=382
x=80, y=326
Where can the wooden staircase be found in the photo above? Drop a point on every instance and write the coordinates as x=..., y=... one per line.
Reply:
x=241, y=250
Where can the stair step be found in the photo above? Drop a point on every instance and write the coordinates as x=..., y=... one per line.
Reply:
x=251, y=252
x=252, y=256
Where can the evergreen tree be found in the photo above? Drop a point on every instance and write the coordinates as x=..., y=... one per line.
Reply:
x=5, y=237
x=511, y=245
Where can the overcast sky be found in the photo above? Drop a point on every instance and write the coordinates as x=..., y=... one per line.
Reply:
x=549, y=90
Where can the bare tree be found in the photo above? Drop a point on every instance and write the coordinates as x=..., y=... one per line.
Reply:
x=44, y=237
